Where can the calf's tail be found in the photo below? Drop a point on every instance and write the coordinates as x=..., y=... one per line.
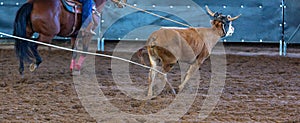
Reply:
x=151, y=43
x=140, y=55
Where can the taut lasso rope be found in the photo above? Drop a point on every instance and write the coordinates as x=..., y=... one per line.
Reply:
x=151, y=13
x=83, y=52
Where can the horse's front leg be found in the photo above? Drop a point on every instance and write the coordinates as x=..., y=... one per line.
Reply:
x=74, y=54
x=38, y=59
x=86, y=41
x=34, y=50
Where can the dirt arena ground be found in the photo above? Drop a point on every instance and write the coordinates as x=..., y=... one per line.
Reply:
x=258, y=88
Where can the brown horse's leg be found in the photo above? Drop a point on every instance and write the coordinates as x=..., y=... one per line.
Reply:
x=38, y=59
x=74, y=54
x=86, y=41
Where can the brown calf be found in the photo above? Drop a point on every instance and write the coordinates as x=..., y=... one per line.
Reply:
x=190, y=45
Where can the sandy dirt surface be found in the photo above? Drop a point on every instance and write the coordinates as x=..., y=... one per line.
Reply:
x=258, y=88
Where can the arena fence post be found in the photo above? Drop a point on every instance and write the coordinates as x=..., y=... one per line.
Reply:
x=280, y=47
x=100, y=44
x=284, y=48
x=282, y=42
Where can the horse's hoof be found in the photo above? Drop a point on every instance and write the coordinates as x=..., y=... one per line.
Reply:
x=22, y=76
x=3, y=84
x=173, y=91
x=75, y=73
x=32, y=67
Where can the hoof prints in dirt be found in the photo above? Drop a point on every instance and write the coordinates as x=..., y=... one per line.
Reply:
x=257, y=89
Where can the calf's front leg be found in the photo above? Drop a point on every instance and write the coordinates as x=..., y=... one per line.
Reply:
x=188, y=75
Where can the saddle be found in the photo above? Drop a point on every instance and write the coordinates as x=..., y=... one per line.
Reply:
x=74, y=6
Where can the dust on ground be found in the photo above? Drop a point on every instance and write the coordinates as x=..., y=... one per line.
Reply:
x=258, y=88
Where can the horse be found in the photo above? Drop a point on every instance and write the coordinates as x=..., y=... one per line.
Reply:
x=49, y=18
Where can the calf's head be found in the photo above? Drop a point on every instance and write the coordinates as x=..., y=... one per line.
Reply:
x=223, y=21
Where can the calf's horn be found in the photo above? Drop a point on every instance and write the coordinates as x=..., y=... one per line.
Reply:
x=234, y=18
x=209, y=11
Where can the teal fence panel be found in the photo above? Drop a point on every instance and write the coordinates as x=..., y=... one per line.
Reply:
x=261, y=20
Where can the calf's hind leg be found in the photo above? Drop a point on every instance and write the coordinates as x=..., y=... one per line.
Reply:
x=152, y=73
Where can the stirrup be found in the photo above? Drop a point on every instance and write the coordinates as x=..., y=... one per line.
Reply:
x=89, y=31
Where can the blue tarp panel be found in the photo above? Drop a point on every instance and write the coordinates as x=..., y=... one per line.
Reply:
x=8, y=9
x=261, y=20
x=129, y=23
x=292, y=21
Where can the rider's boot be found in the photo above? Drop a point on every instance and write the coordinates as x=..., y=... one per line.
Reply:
x=89, y=28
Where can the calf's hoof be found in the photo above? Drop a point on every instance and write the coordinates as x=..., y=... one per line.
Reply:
x=180, y=88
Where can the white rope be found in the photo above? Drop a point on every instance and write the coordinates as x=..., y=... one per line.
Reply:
x=83, y=52
x=139, y=9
